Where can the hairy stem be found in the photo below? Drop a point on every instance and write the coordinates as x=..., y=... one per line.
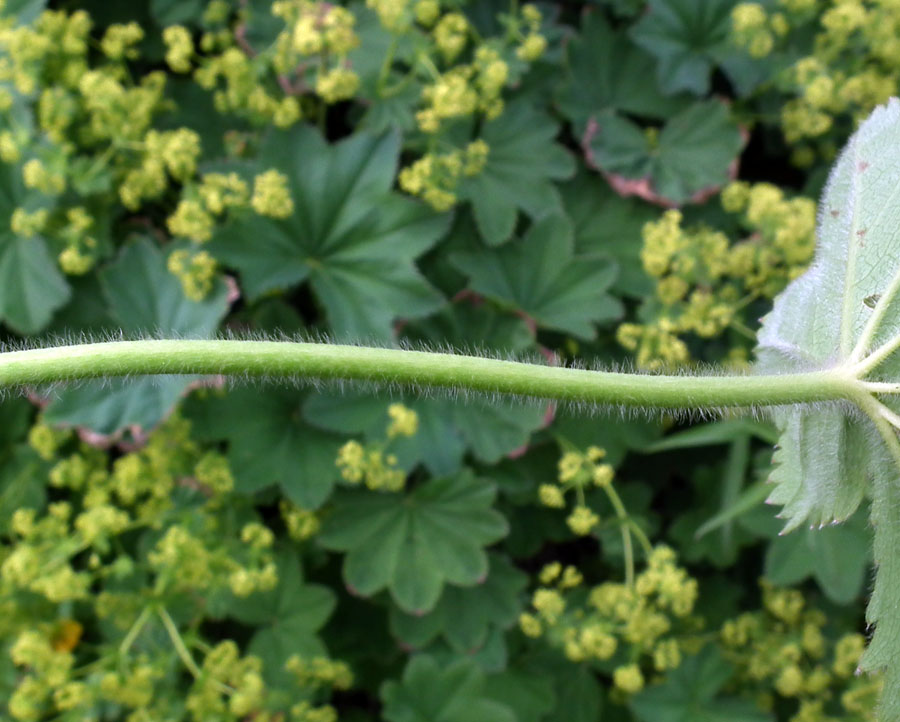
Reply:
x=314, y=361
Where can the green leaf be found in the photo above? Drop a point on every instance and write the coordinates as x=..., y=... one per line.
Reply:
x=429, y=693
x=269, y=443
x=529, y=695
x=24, y=11
x=22, y=483
x=176, y=12
x=465, y=615
x=522, y=162
x=689, y=160
x=413, y=543
x=688, y=38
x=143, y=298
x=843, y=314
x=607, y=72
x=838, y=557
x=605, y=222
x=690, y=693
x=350, y=235
x=541, y=275
x=287, y=618
x=31, y=285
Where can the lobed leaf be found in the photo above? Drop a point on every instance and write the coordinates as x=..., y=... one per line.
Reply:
x=415, y=542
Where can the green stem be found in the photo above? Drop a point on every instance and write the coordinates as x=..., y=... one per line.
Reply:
x=135, y=630
x=301, y=361
x=180, y=648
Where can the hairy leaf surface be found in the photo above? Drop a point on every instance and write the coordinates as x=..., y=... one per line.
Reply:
x=844, y=313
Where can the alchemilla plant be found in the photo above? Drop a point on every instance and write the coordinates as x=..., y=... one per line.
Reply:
x=422, y=360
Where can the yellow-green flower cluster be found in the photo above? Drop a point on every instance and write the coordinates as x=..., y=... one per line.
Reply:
x=465, y=90
x=404, y=421
x=79, y=255
x=272, y=195
x=703, y=281
x=179, y=48
x=119, y=40
x=852, y=66
x=577, y=472
x=435, y=177
x=301, y=524
x=316, y=34
x=532, y=43
x=648, y=623
x=782, y=649
x=755, y=29
x=168, y=154
x=196, y=271
x=47, y=673
x=54, y=46
x=372, y=464
x=229, y=686
x=195, y=219
x=28, y=225
x=80, y=548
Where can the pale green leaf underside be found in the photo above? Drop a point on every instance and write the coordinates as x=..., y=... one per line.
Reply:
x=844, y=314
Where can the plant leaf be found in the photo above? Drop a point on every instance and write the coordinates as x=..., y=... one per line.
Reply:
x=31, y=285
x=522, y=161
x=269, y=442
x=287, y=617
x=606, y=71
x=465, y=615
x=688, y=37
x=143, y=298
x=843, y=312
x=542, y=276
x=350, y=235
x=690, y=693
x=691, y=158
x=415, y=542
x=428, y=693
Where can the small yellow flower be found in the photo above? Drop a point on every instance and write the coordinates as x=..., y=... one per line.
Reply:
x=582, y=521
x=628, y=678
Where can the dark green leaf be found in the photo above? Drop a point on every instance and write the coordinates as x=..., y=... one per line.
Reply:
x=838, y=557
x=350, y=235
x=688, y=37
x=31, y=285
x=23, y=476
x=286, y=618
x=429, y=693
x=522, y=161
x=690, y=693
x=605, y=222
x=607, y=72
x=144, y=298
x=541, y=275
x=691, y=158
x=413, y=543
x=269, y=443
x=465, y=615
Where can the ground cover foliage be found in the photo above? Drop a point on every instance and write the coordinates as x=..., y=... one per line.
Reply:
x=615, y=182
